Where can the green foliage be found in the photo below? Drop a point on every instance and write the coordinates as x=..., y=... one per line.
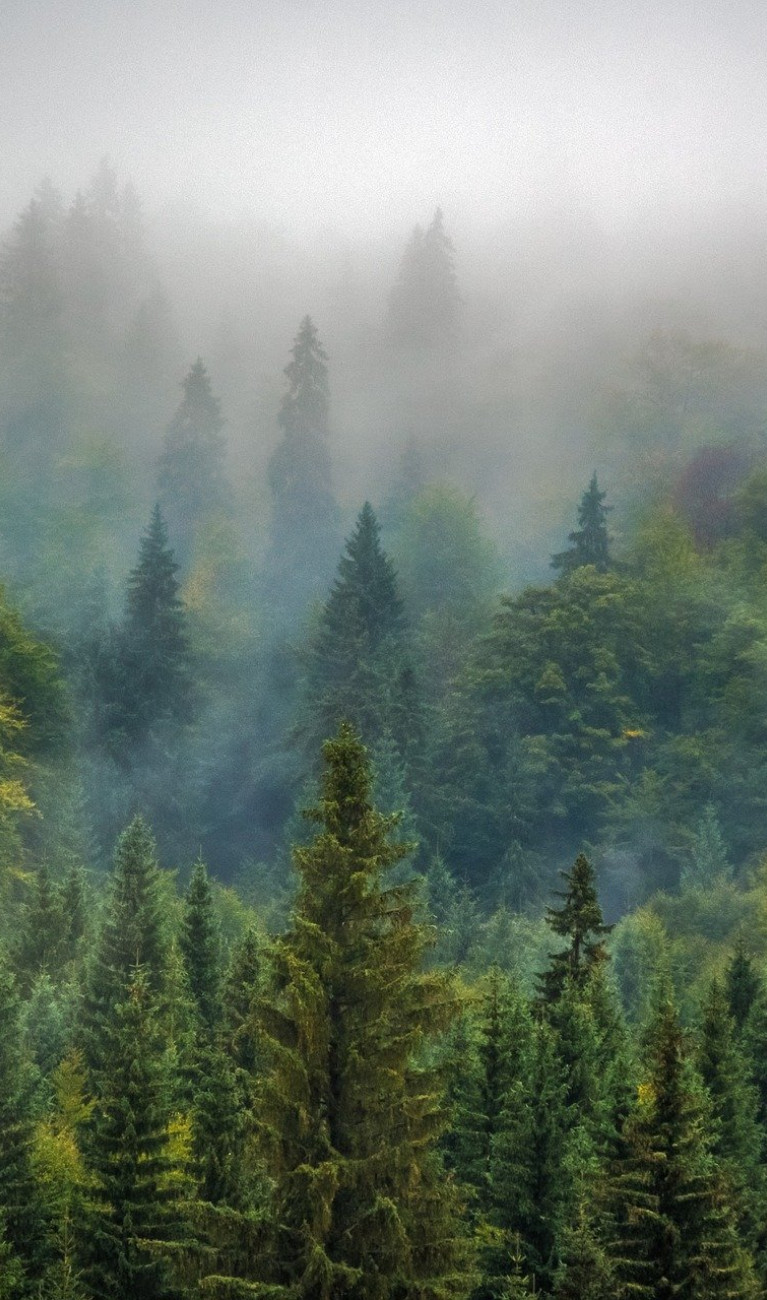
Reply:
x=589, y=541
x=580, y=922
x=350, y=1117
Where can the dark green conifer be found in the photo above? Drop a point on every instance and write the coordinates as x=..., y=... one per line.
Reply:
x=742, y=984
x=156, y=649
x=42, y=930
x=358, y=667
x=134, y=1219
x=361, y=1205
x=580, y=922
x=21, y=1210
x=133, y=934
x=200, y=947
x=675, y=1228
x=590, y=543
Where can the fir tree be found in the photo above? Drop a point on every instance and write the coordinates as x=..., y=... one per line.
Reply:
x=590, y=543
x=133, y=1221
x=133, y=934
x=358, y=667
x=742, y=985
x=674, y=1222
x=579, y=921
x=305, y=519
x=21, y=1210
x=199, y=942
x=190, y=477
x=361, y=1207
x=156, y=644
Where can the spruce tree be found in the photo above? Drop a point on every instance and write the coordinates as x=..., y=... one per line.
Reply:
x=155, y=638
x=21, y=1209
x=134, y=1220
x=590, y=544
x=361, y=1206
x=708, y=863
x=216, y=1124
x=305, y=522
x=133, y=934
x=357, y=664
x=675, y=1230
x=580, y=922
x=190, y=472
x=742, y=986
x=200, y=947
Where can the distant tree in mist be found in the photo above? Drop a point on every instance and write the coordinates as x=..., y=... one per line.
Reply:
x=589, y=542
x=424, y=308
x=305, y=522
x=191, y=476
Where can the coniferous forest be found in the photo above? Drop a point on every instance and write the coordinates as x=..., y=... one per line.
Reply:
x=383, y=872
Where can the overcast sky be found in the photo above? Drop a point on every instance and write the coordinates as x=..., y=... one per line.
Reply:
x=364, y=116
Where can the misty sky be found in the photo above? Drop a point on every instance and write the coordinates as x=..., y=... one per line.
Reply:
x=364, y=116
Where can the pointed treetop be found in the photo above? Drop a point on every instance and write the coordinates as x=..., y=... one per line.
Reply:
x=305, y=406
x=152, y=586
x=580, y=921
x=590, y=543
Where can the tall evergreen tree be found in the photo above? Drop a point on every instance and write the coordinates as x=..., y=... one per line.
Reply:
x=742, y=986
x=675, y=1229
x=305, y=522
x=134, y=1217
x=190, y=477
x=361, y=1206
x=21, y=1210
x=580, y=922
x=133, y=934
x=200, y=948
x=590, y=544
x=357, y=664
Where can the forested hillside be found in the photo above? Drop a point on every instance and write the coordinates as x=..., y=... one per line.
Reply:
x=384, y=883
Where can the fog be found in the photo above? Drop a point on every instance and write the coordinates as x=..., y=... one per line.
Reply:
x=358, y=116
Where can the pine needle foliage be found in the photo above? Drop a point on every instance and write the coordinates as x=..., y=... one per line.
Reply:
x=351, y=1110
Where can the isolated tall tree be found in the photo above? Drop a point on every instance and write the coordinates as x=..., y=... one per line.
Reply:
x=361, y=1206
x=190, y=471
x=589, y=541
x=305, y=520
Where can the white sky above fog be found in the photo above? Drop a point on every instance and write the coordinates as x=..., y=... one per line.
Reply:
x=363, y=116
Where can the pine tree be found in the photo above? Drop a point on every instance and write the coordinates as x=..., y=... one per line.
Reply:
x=42, y=930
x=134, y=1220
x=358, y=667
x=156, y=644
x=216, y=1124
x=200, y=947
x=21, y=1210
x=361, y=1206
x=191, y=478
x=675, y=1227
x=742, y=986
x=590, y=544
x=738, y=1141
x=133, y=934
x=581, y=923
x=305, y=520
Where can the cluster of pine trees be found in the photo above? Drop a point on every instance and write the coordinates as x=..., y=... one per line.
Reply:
x=190, y=1109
